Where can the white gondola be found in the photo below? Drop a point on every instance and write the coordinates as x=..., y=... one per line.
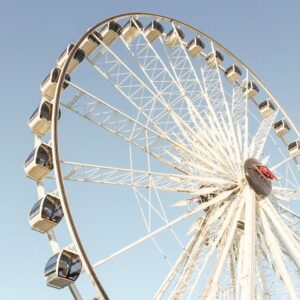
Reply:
x=75, y=61
x=91, y=42
x=266, y=108
x=294, y=148
x=40, y=120
x=39, y=162
x=48, y=86
x=46, y=213
x=281, y=128
x=174, y=37
x=62, y=269
x=194, y=47
x=153, y=31
x=232, y=73
x=131, y=30
x=214, y=58
x=110, y=32
x=250, y=89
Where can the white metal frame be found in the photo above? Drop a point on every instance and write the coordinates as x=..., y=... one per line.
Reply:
x=206, y=139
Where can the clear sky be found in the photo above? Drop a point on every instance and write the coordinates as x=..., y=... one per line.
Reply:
x=264, y=34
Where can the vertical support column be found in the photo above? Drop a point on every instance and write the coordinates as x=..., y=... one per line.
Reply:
x=247, y=280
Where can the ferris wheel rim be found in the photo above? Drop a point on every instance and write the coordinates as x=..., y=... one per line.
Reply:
x=55, y=132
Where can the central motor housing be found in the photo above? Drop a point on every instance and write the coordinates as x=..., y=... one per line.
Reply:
x=259, y=177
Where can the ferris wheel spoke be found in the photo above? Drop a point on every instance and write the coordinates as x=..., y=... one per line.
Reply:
x=205, y=145
x=155, y=105
x=264, y=248
x=218, y=106
x=285, y=210
x=198, y=164
x=122, y=125
x=232, y=267
x=226, y=134
x=221, y=197
x=204, y=153
x=211, y=286
x=130, y=85
x=147, y=116
x=276, y=252
x=191, y=261
x=182, y=285
x=291, y=218
x=162, y=81
x=184, y=72
x=224, y=139
x=226, y=143
x=137, y=178
x=140, y=128
x=230, y=140
x=224, y=192
x=192, y=88
x=159, y=76
x=261, y=273
x=223, y=143
x=207, y=136
x=205, y=141
x=126, y=81
x=281, y=163
x=238, y=255
x=258, y=141
x=285, y=194
x=212, y=245
x=239, y=109
x=215, y=89
x=130, y=74
x=212, y=88
x=187, y=79
x=284, y=234
x=176, y=267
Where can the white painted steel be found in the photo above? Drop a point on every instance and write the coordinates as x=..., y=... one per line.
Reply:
x=186, y=116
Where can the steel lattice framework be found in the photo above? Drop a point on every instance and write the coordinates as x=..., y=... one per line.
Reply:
x=194, y=130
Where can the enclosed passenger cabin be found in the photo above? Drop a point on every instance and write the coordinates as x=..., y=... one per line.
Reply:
x=266, y=108
x=174, y=37
x=48, y=86
x=75, y=61
x=62, y=269
x=281, y=128
x=214, y=58
x=250, y=89
x=39, y=162
x=110, y=32
x=46, y=213
x=194, y=47
x=153, y=31
x=131, y=30
x=40, y=120
x=232, y=73
x=294, y=148
x=91, y=42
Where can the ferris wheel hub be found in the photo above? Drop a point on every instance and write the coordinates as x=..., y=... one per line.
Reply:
x=259, y=177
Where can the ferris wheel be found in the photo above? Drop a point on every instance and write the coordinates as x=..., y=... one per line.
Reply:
x=194, y=163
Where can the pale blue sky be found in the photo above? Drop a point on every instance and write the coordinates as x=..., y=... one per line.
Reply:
x=264, y=34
